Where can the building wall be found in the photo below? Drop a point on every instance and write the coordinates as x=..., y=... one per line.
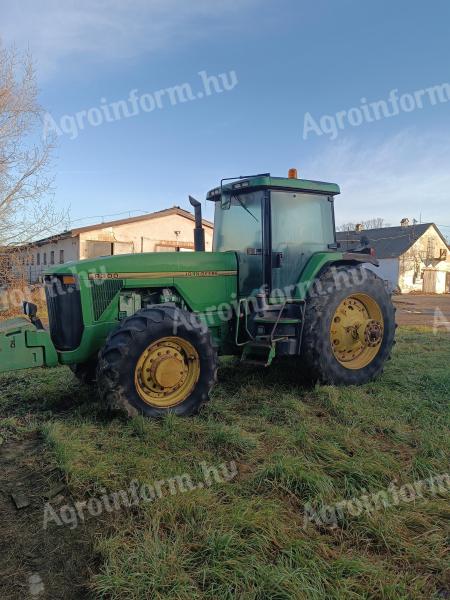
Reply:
x=36, y=259
x=424, y=254
x=441, y=282
x=154, y=235
x=388, y=271
x=406, y=273
x=435, y=281
x=161, y=234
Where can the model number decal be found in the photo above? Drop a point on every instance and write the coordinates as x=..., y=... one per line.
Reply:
x=104, y=276
x=156, y=275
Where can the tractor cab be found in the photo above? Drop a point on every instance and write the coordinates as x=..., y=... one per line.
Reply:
x=274, y=225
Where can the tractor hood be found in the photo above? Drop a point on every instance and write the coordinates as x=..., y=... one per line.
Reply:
x=87, y=292
x=152, y=265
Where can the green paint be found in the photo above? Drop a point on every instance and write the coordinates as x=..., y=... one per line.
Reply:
x=206, y=283
x=251, y=183
x=314, y=266
x=22, y=346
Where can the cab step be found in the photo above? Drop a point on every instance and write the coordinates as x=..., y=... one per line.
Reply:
x=259, y=353
x=273, y=320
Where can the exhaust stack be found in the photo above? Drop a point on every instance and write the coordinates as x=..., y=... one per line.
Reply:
x=199, y=232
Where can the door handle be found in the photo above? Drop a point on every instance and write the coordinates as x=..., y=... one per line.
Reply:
x=277, y=260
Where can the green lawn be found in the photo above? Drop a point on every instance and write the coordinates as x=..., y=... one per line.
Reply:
x=245, y=538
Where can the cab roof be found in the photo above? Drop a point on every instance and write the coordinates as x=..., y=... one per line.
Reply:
x=246, y=184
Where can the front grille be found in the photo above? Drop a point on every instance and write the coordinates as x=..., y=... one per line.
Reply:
x=103, y=293
x=64, y=313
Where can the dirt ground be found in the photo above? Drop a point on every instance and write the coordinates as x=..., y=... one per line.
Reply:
x=428, y=310
x=47, y=564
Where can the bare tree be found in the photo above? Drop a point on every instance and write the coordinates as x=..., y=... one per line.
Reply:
x=346, y=227
x=26, y=208
x=376, y=223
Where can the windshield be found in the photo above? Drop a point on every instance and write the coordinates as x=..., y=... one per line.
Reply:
x=238, y=223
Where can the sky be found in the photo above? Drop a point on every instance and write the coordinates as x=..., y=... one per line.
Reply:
x=288, y=68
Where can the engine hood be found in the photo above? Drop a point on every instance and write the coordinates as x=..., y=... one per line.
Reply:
x=164, y=264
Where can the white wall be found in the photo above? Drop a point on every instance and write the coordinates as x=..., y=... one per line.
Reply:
x=388, y=271
x=152, y=235
x=441, y=282
x=28, y=263
x=424, y=254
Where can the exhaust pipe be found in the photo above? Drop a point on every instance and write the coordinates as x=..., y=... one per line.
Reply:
x=199, y=232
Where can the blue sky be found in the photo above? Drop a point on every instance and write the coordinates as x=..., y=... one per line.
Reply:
x=289, y=57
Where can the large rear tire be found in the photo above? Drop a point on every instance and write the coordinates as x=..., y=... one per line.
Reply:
x=160, y=360
x=349, y=327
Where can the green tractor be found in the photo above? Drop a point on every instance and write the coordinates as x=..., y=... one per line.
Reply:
x=148, y=328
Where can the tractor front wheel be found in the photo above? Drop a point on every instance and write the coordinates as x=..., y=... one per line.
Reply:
x=349, y=327
x=160, y=360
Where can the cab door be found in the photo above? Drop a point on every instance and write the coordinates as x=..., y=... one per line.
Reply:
x=301, y=224
x=239, y=227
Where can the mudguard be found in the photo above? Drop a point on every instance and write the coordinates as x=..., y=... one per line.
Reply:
x=23, y=346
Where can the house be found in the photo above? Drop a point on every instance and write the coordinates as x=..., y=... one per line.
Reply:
x=413, y=258
x=169, y=230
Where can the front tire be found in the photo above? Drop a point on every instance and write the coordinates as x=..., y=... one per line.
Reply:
x=160, y=360
x=349, y=327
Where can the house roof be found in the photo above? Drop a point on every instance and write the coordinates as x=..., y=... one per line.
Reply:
x=388, y=242
x=175, y=210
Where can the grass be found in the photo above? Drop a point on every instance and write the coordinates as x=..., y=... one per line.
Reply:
x=245, y=538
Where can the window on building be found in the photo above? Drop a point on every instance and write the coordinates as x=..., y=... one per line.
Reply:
x=61, y=257
x=45, y=258
x=38, y=258
x=52, y=257
x=32, y=260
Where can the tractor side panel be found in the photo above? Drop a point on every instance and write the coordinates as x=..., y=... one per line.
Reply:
x=207, y=293
x=313, y=267
x=321, y=260
x=205, y=281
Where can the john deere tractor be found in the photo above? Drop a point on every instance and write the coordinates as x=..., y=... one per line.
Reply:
x=148, y=328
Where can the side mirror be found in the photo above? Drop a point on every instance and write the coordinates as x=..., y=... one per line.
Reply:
x=30, y=310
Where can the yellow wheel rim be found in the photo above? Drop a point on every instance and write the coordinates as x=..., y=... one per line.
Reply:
x=357, y=331
x=167, y=372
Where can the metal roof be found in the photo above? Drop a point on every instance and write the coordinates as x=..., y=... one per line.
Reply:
x=388, y=242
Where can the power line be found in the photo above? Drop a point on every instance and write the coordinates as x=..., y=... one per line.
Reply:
x=125, y=212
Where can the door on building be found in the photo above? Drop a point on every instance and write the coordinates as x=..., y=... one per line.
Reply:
x=123, y=248
x=447, y=283
x=95, y=248
x=429, y=281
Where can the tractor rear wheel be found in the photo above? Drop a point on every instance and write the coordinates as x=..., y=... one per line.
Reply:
x=349, y=327
x=160, y=360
